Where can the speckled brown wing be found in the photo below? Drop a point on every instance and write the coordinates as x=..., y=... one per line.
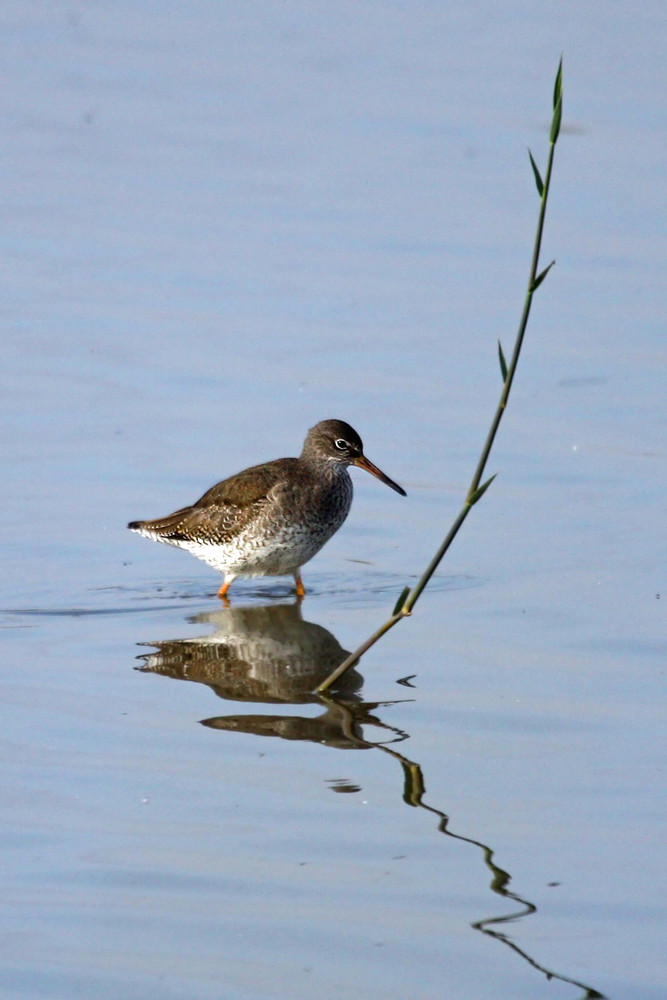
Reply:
x=224, y=510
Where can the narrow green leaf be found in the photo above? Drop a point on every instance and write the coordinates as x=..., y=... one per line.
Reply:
x=555, y=124
x=503, y=363
x=480, y=491
x=538, y=179
x=558, y=105
x=401, y=601
x=540, y=278
x=558, y=84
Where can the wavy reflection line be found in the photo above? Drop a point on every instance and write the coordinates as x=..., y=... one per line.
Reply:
x=414, y=790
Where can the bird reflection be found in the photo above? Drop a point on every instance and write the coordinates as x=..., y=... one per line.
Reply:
x=269, y=654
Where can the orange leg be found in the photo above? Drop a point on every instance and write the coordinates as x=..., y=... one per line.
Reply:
x=300, y=589
x=222, y=593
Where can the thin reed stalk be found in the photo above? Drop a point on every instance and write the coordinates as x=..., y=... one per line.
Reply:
x=477, y=489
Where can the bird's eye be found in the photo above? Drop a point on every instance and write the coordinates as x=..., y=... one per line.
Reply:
x=341, y=444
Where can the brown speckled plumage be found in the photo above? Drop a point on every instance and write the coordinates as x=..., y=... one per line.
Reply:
x=272, y=518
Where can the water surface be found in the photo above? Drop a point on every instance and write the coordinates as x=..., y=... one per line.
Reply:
x=221, y=224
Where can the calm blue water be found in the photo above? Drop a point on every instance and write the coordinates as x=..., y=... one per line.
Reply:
x=221, y=224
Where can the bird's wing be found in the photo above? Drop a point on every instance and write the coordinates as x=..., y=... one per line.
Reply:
x=249, y=487
x=226, y=508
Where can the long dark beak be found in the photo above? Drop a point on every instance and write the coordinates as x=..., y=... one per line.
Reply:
x=364, y=463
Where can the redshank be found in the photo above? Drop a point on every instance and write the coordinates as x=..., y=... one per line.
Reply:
x=271, y=519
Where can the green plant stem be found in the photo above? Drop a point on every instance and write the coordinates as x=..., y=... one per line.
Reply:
x=475, y=490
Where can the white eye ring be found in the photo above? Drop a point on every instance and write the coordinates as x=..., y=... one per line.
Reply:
x=341, y=444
